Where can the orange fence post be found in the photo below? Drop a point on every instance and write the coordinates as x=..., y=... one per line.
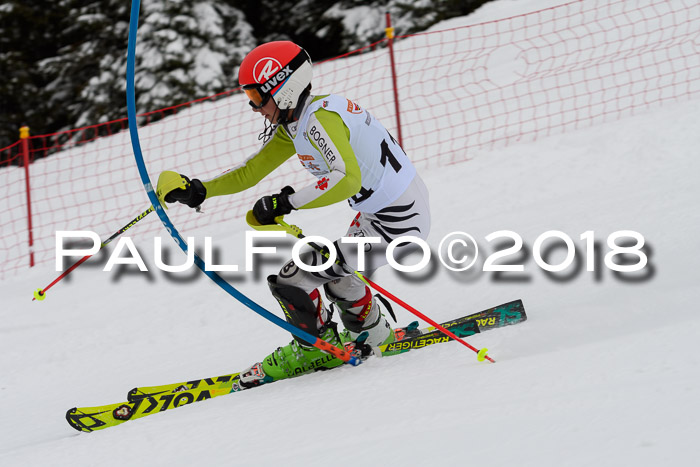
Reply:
x=24, y=138
x=390, y=41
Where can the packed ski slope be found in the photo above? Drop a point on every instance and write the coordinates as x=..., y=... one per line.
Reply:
x=605, y=372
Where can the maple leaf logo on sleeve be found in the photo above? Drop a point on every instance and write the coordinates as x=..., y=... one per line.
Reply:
x=322, y=184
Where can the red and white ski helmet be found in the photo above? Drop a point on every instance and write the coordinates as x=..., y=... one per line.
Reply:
x=279, y=69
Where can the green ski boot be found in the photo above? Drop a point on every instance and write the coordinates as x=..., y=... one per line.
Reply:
x=304, y=311
x=297, y=359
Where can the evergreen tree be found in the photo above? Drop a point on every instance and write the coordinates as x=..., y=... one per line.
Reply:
x=27, y=32
x=92, y=39
x=185, y=50
x=63, y=62
x=67, y=59
x=188, y=49
x=327, y=28
x=301, y=21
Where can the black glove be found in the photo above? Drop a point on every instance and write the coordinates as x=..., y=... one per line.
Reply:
x=193, y=195
x=269, y=207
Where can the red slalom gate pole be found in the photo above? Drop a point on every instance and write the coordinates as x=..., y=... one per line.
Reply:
x=426, y=319
x=296, y=232
x=389, y=30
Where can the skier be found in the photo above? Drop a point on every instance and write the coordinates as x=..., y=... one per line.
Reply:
x=355, y=159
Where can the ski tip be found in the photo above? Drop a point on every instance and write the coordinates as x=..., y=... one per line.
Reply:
x=71, y=420
x=133, y=395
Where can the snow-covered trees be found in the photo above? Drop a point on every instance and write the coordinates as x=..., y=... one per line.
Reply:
x=63, y=62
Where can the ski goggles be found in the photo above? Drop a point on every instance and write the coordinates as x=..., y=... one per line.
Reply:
x=256, y=99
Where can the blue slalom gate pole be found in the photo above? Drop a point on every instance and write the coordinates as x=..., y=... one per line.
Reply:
x=138, y=155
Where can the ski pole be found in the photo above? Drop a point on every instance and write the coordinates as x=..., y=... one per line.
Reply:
x=40, y=294
x=296, y=232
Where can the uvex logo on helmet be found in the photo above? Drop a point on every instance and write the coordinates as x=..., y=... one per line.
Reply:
x=269, y=73
x=281, y=69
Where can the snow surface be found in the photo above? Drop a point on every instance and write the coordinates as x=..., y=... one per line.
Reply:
x=604, y=372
